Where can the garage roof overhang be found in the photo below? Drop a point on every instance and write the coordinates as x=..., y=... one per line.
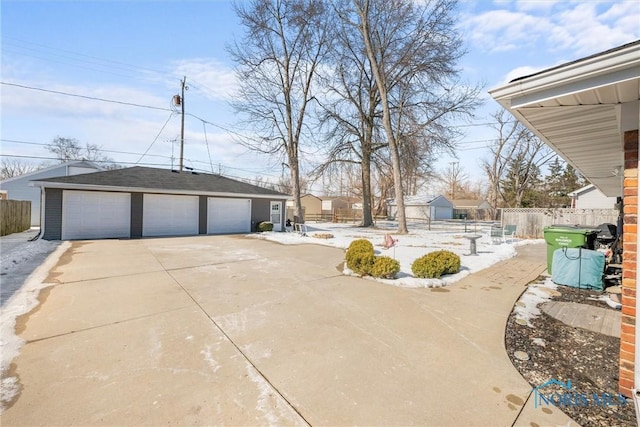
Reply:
x=581, y=109
x=90, y=187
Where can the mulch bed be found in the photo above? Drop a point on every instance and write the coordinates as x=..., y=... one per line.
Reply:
x=588, y=359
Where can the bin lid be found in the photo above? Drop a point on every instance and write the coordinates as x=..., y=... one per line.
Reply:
x=571, y=229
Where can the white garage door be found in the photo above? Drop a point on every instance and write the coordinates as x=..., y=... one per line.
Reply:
x=228, y=215
x=441, y=212
x=169, y=215
x=95, y=215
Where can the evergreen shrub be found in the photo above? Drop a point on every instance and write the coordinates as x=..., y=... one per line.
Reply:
x=435, y=264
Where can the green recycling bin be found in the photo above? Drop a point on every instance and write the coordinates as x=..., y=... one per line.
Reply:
x=567, y=236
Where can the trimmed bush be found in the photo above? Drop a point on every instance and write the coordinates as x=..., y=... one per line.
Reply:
x=264, y=226
x=360, y=256
x=435, y=264
x=360, y=245
x=385, y=267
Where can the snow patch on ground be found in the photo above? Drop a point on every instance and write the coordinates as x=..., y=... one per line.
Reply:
x=208, y=357
x=420, y=241
x=23, y=301
x=526, y=308
x=275, y=409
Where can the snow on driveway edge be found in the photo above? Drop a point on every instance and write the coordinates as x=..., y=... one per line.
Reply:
x=23, y=301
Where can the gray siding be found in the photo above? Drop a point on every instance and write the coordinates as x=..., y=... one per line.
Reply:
x=202, y=226
x=53, y=214
x=260, y=211
x=136, y=215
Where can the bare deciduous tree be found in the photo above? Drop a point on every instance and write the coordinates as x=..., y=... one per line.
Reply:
x=277, y=61
x=515, y=148
x=10, y=168
x=455, y=179
x=66, y=149
x=412, y=49
x=351, y=109
x=510, y=133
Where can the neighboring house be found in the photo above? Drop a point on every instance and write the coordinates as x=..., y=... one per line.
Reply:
x=311, y=205
x=18, y=188
x=331, y=205
x=143, y=202
x=471, y=208
x=423, y=207
x=589, y=197
x=588, y=112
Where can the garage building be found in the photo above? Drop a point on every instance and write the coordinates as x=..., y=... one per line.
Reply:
x=422, y=207
x=146, y=202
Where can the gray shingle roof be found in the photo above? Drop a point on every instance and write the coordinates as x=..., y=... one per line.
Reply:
x=164, y=179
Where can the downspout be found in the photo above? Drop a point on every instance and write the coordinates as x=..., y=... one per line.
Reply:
x=41, y=232
x=42, y=201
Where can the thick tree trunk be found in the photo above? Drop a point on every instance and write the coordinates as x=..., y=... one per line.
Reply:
x=367, y=218
x=386, y=118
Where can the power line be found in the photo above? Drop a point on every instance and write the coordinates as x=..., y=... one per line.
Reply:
x=23, y=45
x=131, y=104
x=95, y=161
x=156, y=138
x=13, y=141
x=204, y=127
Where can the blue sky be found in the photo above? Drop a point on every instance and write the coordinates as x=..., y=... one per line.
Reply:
x=137, y=52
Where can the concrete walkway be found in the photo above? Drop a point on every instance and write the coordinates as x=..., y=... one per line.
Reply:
x=218, y=330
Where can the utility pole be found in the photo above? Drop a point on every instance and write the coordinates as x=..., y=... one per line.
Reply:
x=183, y=83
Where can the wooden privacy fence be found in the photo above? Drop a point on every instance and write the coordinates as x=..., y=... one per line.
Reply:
x=15, y=216
x=531, y=222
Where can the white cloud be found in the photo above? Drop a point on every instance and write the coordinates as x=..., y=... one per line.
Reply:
x=29, y=99
x=212, y=78
x=581, y=28
x=503, y=30
x=530, y=5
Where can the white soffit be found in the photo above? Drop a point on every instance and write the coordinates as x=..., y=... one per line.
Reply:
x=575, y=109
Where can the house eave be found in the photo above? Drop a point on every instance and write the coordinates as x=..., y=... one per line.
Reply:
x=596, y=71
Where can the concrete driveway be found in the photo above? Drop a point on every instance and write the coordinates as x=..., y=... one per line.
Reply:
x=217, y=330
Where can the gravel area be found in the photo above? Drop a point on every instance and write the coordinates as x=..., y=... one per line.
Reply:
x=558, y=351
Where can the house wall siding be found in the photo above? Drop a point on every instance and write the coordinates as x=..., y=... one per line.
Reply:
x=261, y=211
x=594, y=199
x=629, y=263
x=136, y=215
x=53, y=214
x=202, y=219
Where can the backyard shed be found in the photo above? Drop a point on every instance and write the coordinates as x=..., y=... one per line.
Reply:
x=423, y=207
x=311, y=206
x=144, y=202
x=471, y=208
x=18, y=188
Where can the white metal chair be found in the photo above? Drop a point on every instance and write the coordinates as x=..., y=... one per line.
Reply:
x=497, y=234
x=509, y=231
